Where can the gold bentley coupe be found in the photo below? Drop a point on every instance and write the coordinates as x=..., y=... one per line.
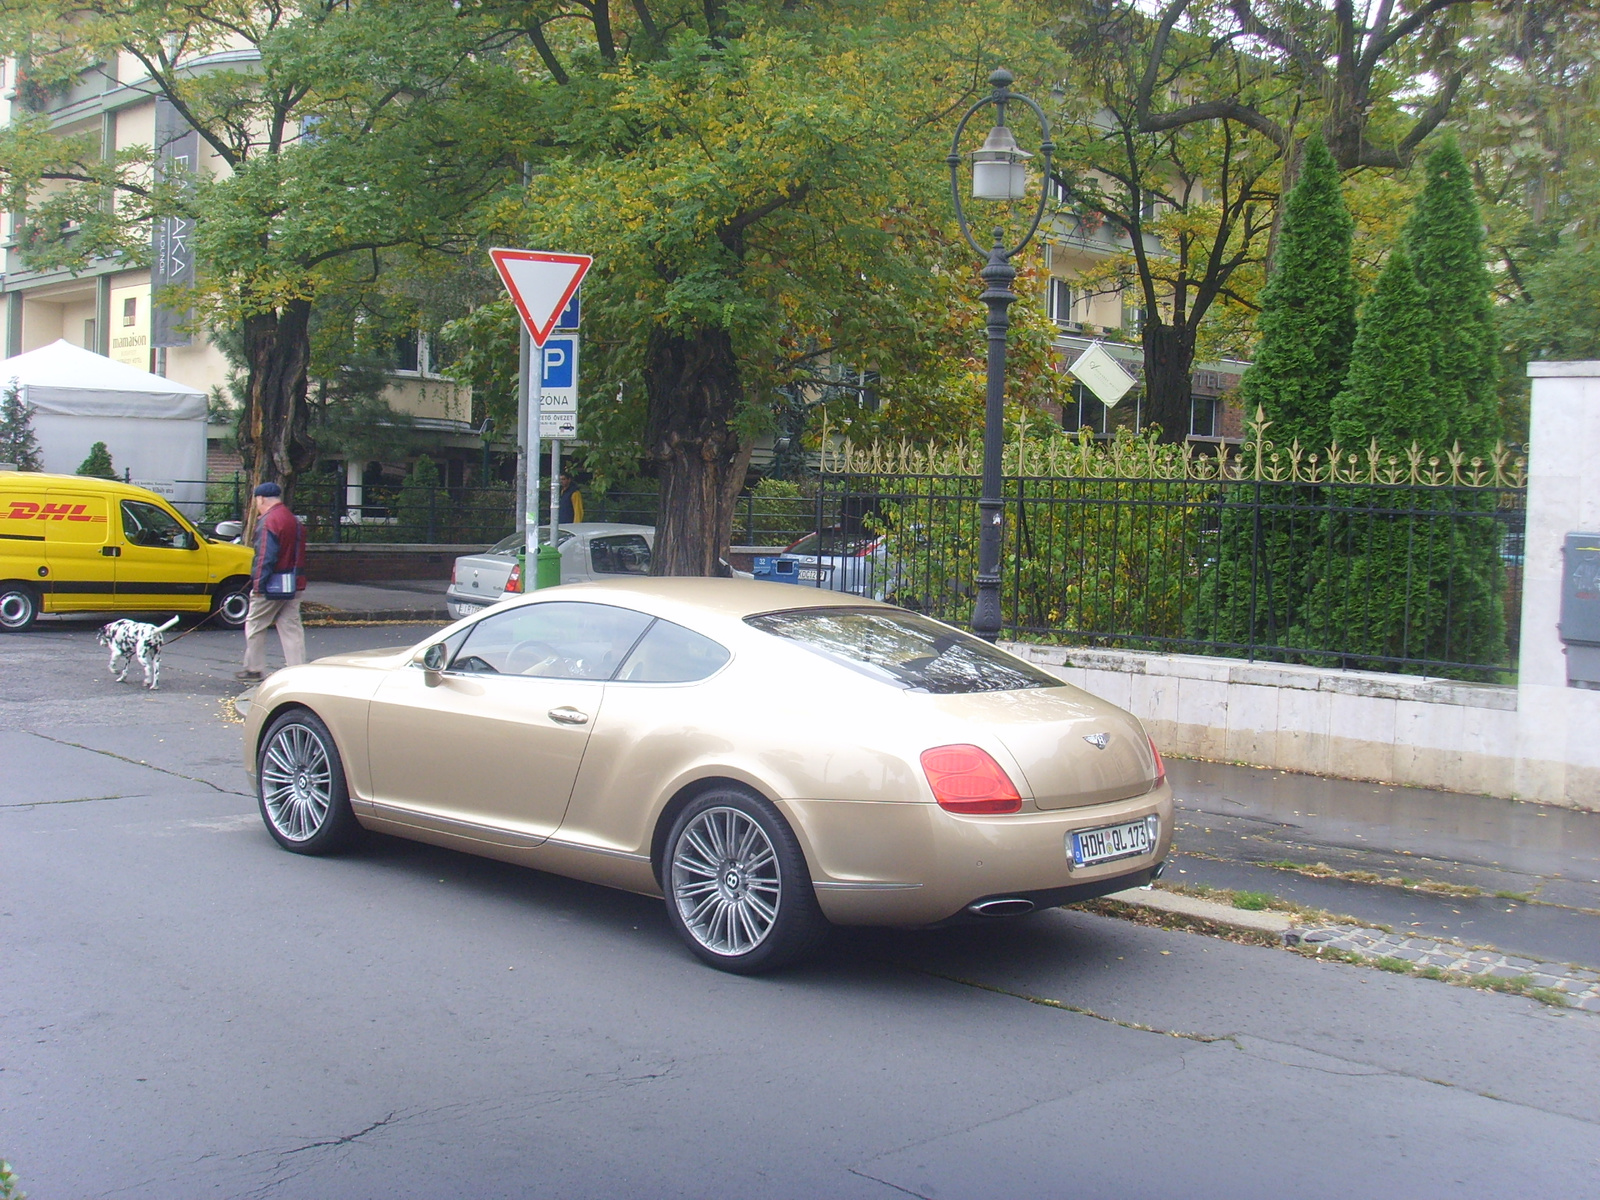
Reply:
x=772, y=760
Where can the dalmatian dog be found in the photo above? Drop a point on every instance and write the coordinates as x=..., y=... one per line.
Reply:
x=135, y=641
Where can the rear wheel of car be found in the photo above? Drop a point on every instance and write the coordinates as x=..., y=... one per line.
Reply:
x=19, y=605
x=231, y=603
x=301, y=786
x=738, y=890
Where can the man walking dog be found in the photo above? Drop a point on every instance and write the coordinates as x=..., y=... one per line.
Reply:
x=275, y=585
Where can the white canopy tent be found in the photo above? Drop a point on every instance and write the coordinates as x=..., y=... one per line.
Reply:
x=155, y=428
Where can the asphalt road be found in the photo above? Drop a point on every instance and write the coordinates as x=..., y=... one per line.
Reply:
x=187, y=1011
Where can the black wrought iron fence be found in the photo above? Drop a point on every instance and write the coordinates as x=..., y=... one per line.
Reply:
x=337, y=512
x=1413, y=577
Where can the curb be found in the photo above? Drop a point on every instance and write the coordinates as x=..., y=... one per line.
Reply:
x=1212, y=911
x=347, y=616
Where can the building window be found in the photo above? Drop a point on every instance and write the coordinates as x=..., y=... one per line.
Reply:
x=1132, y=316
x=408, y=353
x=130, y=311
x=1084, y=411
x=90, y=334
x=1203, y=416
x=1060, y=303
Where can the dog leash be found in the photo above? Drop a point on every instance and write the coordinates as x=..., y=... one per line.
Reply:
x=216, y=612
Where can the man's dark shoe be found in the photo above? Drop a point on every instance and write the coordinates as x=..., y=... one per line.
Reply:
x=247, y=676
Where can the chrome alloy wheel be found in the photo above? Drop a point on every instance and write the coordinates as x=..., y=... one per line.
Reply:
x=234, y=607
x=726, y=881
x=296, y=782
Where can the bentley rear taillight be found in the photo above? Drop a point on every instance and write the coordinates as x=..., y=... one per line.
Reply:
x=966, y=779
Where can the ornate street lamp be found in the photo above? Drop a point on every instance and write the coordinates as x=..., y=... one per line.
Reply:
x=999, y=172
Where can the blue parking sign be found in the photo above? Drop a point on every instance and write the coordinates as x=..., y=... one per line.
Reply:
x=559, y=359
x=570, y=314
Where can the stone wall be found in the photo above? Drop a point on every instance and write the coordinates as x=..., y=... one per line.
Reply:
x=1352, y=724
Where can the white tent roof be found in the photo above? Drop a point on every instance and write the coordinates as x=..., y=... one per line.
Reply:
x=66, y=380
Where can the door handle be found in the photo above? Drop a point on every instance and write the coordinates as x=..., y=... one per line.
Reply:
x=111, y=551
x=569, y=716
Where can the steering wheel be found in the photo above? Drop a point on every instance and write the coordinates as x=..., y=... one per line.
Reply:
x=525, y=658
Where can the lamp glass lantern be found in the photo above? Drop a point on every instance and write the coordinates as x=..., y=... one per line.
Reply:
x=1000, y=167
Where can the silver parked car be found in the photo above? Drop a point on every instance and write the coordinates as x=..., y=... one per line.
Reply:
x=836, y=562
x=590, y=550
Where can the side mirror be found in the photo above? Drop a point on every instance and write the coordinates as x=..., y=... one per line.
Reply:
x=230, y=530
x=186, y=541
x=431, y=660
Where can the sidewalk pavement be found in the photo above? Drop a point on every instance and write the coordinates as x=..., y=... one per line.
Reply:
x=419, y=600
x=1566, y=985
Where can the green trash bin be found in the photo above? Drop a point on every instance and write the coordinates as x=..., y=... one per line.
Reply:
x=548, y=567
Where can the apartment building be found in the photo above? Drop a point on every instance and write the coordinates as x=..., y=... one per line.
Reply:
x=113, y=308
x=1071, y=247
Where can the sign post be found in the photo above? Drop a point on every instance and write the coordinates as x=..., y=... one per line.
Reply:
x=543, y=287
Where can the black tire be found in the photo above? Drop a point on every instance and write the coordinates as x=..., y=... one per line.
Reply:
x=300, y=786
x=19, y=606
x=763, y=881
x=230, y=604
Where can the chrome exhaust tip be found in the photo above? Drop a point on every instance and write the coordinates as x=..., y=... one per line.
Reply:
x=1159, y=869
x=1006, y=906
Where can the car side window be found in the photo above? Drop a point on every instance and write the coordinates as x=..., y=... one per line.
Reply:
x=147, y=525
x=619, y=554
x=554, y=640
x=670, y=653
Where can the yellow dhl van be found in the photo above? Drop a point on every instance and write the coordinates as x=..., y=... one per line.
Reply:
x=75, y=544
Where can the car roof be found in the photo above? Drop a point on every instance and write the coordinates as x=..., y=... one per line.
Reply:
x=707, y=596
x=92, y=483
x=592, y=528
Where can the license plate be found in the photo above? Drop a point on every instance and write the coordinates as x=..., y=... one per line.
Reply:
x=1090, y=846
x=813, y=574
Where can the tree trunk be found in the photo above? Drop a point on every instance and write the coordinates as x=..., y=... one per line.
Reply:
x=692, y=382
x=1168, y=361
x=273, y=440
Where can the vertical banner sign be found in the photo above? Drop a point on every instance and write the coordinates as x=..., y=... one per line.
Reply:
x=558, y=390
x=172, y=249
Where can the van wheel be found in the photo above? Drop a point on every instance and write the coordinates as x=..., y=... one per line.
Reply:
x=19, y=605
x=231, y=603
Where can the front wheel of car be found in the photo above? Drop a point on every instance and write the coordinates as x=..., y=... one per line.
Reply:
x=19, y=605
x=301, y=786
x=738, y=890
x=231, y=603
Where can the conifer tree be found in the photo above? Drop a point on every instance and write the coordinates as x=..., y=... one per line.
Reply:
x=1411, y=574
x=98, y=463
x=420, y=508
x=1445, y=240
x=18, y=444
x=1308, y=310
x=1389, y=393
x=1254, y=586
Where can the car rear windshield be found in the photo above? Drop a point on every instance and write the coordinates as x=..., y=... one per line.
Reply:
x=834, y=543
x=905, y=650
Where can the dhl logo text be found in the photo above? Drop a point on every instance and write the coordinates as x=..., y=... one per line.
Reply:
x=27, y=510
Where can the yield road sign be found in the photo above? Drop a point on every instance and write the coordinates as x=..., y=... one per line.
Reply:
x=541, y=285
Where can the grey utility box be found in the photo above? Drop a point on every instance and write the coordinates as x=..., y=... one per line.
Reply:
x=1580, y=608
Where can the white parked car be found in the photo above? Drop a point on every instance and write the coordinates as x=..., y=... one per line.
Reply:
x=590, y=551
